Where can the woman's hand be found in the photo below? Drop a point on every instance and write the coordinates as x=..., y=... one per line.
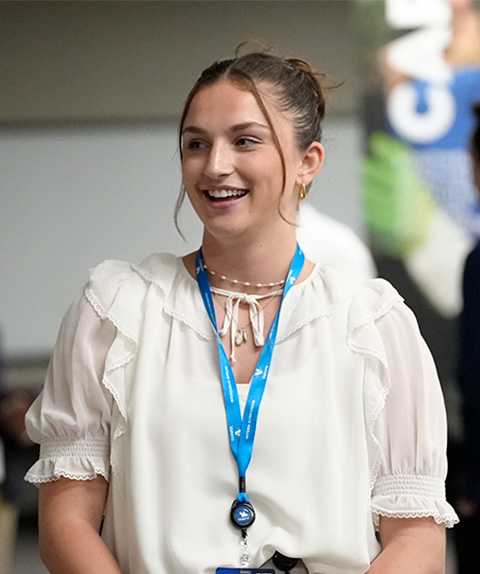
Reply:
x=410, y=546
x=71, y=513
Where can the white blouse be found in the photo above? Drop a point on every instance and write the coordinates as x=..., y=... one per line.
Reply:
x=352, y=423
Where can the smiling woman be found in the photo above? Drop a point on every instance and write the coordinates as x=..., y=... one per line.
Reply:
x=150, y=416
x=295, y=90
x=232, y=170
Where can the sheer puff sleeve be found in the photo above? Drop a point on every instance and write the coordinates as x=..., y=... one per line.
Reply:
x=71, y=417
x=411, y=428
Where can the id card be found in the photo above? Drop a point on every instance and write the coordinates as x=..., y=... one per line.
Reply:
x=245, y=571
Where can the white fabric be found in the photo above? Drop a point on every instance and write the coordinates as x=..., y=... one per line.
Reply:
x=352, y=424
x=330, y=242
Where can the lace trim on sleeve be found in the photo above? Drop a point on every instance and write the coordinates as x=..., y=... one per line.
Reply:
x=412, y=496
x=78, y=459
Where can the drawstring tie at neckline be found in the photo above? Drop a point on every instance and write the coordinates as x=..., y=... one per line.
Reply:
x=232, y=308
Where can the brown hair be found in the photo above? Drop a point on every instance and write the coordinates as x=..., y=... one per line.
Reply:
x=296, y=88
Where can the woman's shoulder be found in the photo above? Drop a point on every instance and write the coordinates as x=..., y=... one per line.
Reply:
x=157, y=268
x=344, y=287
x=113, y=279
x=152, y=268
x=341, y=298
x=123, y=292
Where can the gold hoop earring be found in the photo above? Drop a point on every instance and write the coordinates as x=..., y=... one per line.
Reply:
x=302, y=191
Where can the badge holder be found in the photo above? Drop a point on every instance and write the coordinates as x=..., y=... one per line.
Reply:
x=242, y=516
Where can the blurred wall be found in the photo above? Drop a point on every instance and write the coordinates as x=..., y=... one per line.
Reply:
x=91, y=60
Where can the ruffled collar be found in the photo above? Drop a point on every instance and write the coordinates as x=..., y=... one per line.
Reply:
x=315, y=297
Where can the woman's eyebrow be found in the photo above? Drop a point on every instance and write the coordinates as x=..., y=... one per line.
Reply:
x=234, y=128
x=193, y=130
x=246, y=125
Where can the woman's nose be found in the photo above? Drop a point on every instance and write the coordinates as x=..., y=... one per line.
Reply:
x=219, y=161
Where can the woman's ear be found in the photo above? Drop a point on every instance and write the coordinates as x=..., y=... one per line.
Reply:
x=312, y=163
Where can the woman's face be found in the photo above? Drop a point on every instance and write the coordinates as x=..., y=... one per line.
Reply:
x=231, y=168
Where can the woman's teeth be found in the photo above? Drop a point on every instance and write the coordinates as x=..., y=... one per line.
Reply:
x=223, y=193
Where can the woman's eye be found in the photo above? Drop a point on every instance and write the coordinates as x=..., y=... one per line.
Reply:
x=246, y=142
x=193, y=145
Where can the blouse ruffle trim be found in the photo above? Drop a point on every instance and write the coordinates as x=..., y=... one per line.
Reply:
x=120, y=354
x=78, y=460
x=112, y=289
x=373, y=301
x=166, y=272
x=318, y=296
x=412, y=496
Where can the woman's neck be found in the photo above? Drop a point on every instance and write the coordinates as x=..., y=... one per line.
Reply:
x=249, y=261
x=246, y=262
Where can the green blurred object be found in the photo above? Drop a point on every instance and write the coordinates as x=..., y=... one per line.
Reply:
x=398, y=205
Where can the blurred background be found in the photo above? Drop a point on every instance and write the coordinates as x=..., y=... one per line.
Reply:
x=89, y=169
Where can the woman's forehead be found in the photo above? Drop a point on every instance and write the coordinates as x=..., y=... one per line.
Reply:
x=237, y=99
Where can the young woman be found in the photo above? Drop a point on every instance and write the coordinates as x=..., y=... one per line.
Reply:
x=214, y=410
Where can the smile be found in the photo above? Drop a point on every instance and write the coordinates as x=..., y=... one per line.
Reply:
x=225, y=193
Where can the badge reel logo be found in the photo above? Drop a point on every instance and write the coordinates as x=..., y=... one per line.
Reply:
x=242, y=514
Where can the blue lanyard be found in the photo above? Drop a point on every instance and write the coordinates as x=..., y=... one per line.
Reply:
x=242, y=432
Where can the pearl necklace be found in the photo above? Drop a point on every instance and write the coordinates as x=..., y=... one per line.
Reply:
x=244, y=283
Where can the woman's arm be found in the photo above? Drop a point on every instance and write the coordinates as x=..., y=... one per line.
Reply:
x=410, y=546
x=71, y=513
